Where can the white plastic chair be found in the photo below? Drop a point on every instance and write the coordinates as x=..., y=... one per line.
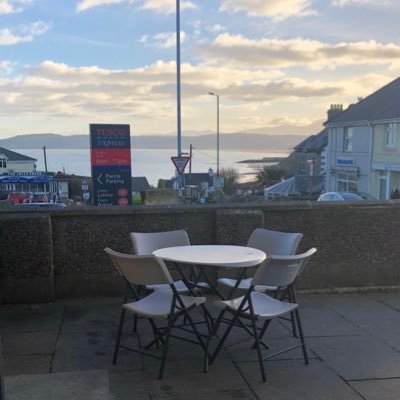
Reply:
x=160, y=304
x=257, y=306
x=146, y=243
x=273, y=243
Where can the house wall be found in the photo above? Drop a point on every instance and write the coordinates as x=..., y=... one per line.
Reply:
x=18, y=166
x=358, y=161
x=385, y=162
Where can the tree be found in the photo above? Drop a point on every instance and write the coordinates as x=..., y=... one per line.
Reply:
x=269, y=173
x=161, y=184
x=231, y=179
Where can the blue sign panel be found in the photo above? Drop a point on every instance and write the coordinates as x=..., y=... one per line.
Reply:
x=345, y=161
x=111, y=164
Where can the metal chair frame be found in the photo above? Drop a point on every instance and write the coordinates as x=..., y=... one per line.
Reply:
x=282, y=274
x=177, y=309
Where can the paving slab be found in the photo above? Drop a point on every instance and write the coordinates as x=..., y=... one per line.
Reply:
x=31, y=318
x=390, y=299
x=91, y=317
x=27, y=364
x=372, y=316
x=25, y=343
x=83, y=351
x=88, y=385
x=353, y=341
x=357, y=357
x=321, y=320
x=292, y=380
x=378, y=389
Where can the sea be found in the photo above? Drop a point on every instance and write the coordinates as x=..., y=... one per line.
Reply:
x=154, y=164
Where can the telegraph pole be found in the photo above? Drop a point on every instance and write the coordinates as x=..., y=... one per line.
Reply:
x=45, y=158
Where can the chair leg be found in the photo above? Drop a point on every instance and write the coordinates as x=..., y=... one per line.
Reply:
x=225, y=335
x=171, y=321
x=292, y=299
x=258, y=348
x=120, y=327
x=303, y=343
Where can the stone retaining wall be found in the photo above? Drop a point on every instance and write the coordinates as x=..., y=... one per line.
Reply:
x=59, y=253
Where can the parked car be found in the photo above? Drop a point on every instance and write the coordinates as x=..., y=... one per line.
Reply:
x=345, y=196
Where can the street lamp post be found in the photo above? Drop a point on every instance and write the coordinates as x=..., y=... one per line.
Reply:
x=217, y=96
x=178, y=75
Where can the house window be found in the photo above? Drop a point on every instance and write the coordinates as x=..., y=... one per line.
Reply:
x=3, y=162
x=390, y=135
x=347, y=182
x=348, y=140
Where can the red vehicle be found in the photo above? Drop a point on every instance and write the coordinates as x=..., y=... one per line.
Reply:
x=18, y=197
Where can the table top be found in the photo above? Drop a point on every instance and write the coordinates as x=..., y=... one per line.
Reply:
x=217, y=255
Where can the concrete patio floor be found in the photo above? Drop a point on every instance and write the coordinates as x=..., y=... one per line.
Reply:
x=63, y=350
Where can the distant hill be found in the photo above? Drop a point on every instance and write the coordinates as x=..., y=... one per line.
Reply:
x=260, y=140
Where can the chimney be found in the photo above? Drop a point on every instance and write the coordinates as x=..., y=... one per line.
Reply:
x=334, y=111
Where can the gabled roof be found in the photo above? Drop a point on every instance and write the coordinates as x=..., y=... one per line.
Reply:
x=384, y=104
x=140, y=183
x=314, y=142
x=197, y=178
x=13, y=156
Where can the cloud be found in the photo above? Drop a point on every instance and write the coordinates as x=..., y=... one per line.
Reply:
x=276, y=9
x=6, y=67
x=375, y=3
x=13, y=6
x=241, y=51
x=167, y=6
x=216, y=28
x=25, y=33
x=84, y=5
x=147, y=95
x=288, y=88
x=56, y=89
x=163, y=40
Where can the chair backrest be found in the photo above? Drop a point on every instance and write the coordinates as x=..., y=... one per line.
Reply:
x=275, y=242
x=146, y=243
x=281, y=271
x=140, y=270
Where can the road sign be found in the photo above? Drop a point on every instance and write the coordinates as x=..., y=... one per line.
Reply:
x=111, y=164
x=180, y=163
x=85, y=186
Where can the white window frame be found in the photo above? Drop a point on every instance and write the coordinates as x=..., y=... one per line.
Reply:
x=390, y=135
x=3, y=162
x=348, y=140
x=347, y=182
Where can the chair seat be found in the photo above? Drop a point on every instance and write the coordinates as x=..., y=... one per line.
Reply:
x=202, y=285
x=180, y=287
x=245, y=284
x=264, y=306
x=158, y=304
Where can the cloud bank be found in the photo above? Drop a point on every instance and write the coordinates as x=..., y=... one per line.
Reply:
x=276, y=9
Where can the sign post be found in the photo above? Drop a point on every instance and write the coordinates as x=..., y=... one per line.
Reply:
x=111, y=164
x=85, y=191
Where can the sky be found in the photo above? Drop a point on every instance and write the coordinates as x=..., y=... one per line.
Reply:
x=274, y=63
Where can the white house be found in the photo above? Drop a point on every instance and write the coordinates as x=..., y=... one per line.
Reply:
x=364, y=145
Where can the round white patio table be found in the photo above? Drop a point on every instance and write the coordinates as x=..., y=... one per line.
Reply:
x=218, y=256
